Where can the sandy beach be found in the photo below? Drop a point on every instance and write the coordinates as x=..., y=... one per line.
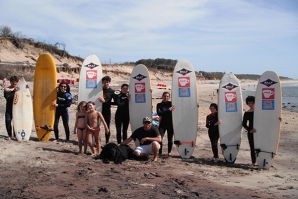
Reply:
x=36, y=169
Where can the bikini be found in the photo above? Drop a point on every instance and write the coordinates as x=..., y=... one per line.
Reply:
x=81, y=116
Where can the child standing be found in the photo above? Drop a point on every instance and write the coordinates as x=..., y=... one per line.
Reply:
x=212, y=123
x=92, y=123
x=80, y=128
x=249, y=117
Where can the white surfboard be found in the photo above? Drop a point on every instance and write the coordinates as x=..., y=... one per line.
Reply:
x=90, y=83
x=230, y=111
x=185, y=114
x=22, y=112
x=266, y=118
x=140, y=103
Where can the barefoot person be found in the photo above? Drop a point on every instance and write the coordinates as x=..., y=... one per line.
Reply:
x=122, y=113
x=249, y=117
x=64, y=100
x=106, y=100
x=8, y=95
x=149, y=138
x=164, y=110
x=80, y=128
x=212, y=123
x=92, y=123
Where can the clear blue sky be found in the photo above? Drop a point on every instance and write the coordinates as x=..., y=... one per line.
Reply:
x=239, y=36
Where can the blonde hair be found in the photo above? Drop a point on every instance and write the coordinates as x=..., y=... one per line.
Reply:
x=80, y=104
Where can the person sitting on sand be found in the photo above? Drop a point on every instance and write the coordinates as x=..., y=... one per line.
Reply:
x=149, y=138
x=212, y=123
x=9, y=95
x=92, y=123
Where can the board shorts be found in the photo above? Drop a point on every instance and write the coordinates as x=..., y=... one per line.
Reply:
x=145, y=149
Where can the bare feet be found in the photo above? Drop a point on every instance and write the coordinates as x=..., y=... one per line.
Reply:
x=8, y=138
x=55, y=140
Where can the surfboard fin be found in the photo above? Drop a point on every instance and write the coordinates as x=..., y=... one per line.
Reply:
x=260, y=151
x=178, y=143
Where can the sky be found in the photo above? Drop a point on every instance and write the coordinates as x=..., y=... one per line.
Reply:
x=238, y=36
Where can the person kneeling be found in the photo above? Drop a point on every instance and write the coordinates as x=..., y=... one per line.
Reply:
x=149, y=138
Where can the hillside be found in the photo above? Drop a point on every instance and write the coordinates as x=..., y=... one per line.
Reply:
x=18, y=56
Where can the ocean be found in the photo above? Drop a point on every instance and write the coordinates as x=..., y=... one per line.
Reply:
x=289, y=95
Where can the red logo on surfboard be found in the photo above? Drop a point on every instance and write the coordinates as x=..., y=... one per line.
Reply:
x=268, y=93
x=183, y=82
x=91, y=74
x=140, y=87
x=230, y=97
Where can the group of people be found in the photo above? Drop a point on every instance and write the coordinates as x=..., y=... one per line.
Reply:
x=88, y=119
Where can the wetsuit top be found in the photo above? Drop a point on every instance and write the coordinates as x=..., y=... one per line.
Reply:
x=210, y=121
x=164, y=112
x=108, y=95
x=141, y=133
x=64, y=100
x=8, y=95
x=248, y=116
x=122, y=103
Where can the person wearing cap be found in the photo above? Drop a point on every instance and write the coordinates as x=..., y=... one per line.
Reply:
x=149, y=138
x=106, y=100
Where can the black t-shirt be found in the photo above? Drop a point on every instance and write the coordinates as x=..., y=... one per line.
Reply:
x=141, y=133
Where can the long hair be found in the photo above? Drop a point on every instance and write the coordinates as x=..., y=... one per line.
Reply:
x=67, y=86
x=80, y=104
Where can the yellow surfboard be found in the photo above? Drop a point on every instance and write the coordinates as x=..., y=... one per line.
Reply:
x=44, y=94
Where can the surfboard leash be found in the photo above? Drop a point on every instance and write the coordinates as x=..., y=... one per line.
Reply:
x=224, y=146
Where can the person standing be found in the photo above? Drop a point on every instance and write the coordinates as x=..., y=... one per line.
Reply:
x=106, y=100
x=64, y=100
x=122, y=113
x=164, y=110
x=249, y=117
x=212, y=123
x=9, y=95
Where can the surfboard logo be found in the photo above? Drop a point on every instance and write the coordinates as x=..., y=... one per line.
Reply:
x=183, y=71
x=268, y=82
x=91, y=65
x=229, y=86
x=139, y=77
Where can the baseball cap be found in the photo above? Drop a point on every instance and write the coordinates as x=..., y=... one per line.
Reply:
x=147, y=119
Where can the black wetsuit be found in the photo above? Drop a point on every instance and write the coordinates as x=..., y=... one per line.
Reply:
x=64, y=101
x=8, y=95
x=166, y=123
x=122, y=116
x=249, y=116
x=141, y=133
x=213, y=132
x=108, y=95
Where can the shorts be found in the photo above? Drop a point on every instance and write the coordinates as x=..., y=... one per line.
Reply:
x=145, y=149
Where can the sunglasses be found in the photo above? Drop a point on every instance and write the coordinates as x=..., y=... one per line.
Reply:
x=63, y=86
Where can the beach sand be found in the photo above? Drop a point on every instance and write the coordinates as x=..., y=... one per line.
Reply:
x=36, y=169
